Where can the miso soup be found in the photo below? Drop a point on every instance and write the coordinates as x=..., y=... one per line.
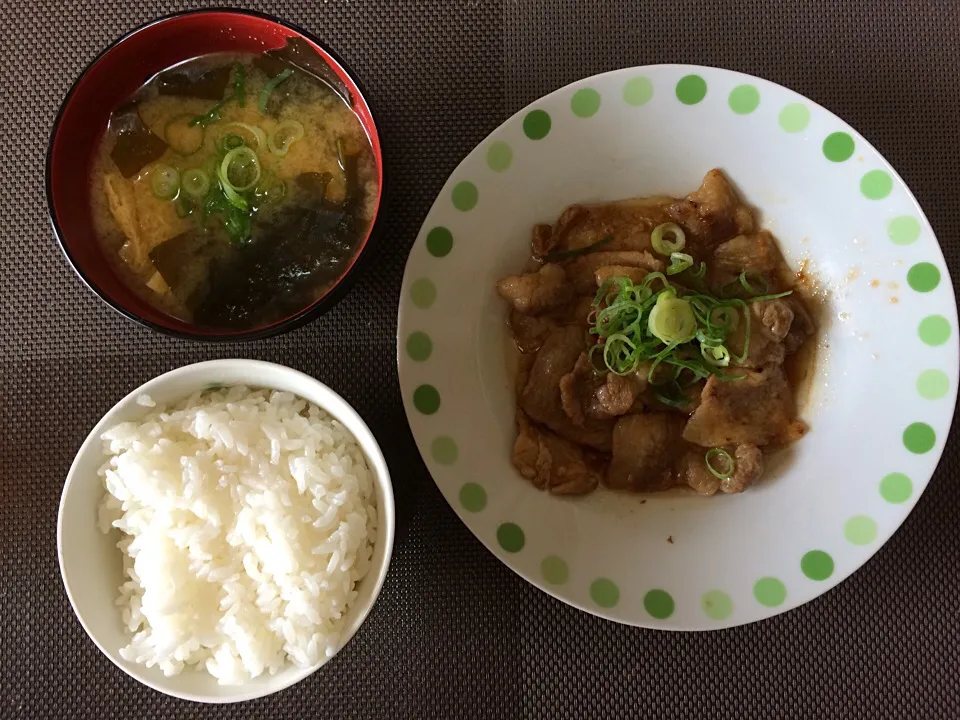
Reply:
x=233, y=190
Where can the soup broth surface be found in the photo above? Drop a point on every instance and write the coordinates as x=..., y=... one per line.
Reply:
x=234, y=190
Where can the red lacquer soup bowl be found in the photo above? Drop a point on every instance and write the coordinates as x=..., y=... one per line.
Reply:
x=108, y=83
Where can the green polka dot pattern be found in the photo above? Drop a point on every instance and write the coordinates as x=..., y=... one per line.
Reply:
x=536, y=125
x=637, y=91
x=919, y=438
x=465, y=196
x=903, y=230
x=716, y=605
x=876, y=185
x=744, y=99
x=838, y=146
x=444, y=450
x=933, y=384
x=934, y=330
x=769, y=592
x=439, y=242
x=511, y=537
x=604, y=592
x=896, y=488
x=419, y=346
x=473, y=497
x=817, y=565
x=659, y=604
x=794, y=118
x=423, y=293
x=499, y=156
x=860, y=530
x=923, y=277
x=555, y=570
x=691, y=89
x=585, y=102
x=426, y=399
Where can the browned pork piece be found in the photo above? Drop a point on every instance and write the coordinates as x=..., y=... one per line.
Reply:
x=552, y=463
x=621, y=225
x=529, y=331
x=536, y=292
x=758, y=409
x=541, y=398
x=653, y=427
x=582, y=271
x=587, y=394
x=748, y=467
x=646, y=448
x=713, y=212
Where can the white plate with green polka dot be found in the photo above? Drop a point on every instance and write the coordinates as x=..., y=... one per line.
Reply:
x=886, y=380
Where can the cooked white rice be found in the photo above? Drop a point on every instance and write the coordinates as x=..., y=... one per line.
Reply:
x=248, y=516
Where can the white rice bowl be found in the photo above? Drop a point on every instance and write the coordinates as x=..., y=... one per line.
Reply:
x=247, y=517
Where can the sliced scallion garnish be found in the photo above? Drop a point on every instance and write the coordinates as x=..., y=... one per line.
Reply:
x=270, y=87
x=719, y=453
x=750, y=277
x=195, y=183
x=724, y=318
x=575, y=252
x=285, y=135
x=715, y=355
x=259, y=135
x=672, y=319
x=211, y=115
x=240, y=169
x=668, y=238
x=232, y=141
x=679, y=262
x=165, y=181
x=666, y=326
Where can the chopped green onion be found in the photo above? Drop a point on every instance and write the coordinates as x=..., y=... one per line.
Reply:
x=286, y=134
x=717, y=356
x=195, y=183
x=680, y=402
x=270, y=193
x=668, y=238
x=258, y=133
x=742, y=358
x=679, y=262
x=271, y=86
x=672, y=319
x=165, y=182
x=232, y=141
x=211, y=115
x=724, y=318
x=240, y=169
x=238, y=85
x=775, y=296
x=700, y=271
x=234, y=198
x=748, y=277
x=567, y=254
x=714, y=453
x=668, y=329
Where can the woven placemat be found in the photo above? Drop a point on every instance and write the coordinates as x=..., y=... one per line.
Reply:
x=455, y=634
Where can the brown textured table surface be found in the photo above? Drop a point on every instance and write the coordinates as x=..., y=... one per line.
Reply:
x=455, y=634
